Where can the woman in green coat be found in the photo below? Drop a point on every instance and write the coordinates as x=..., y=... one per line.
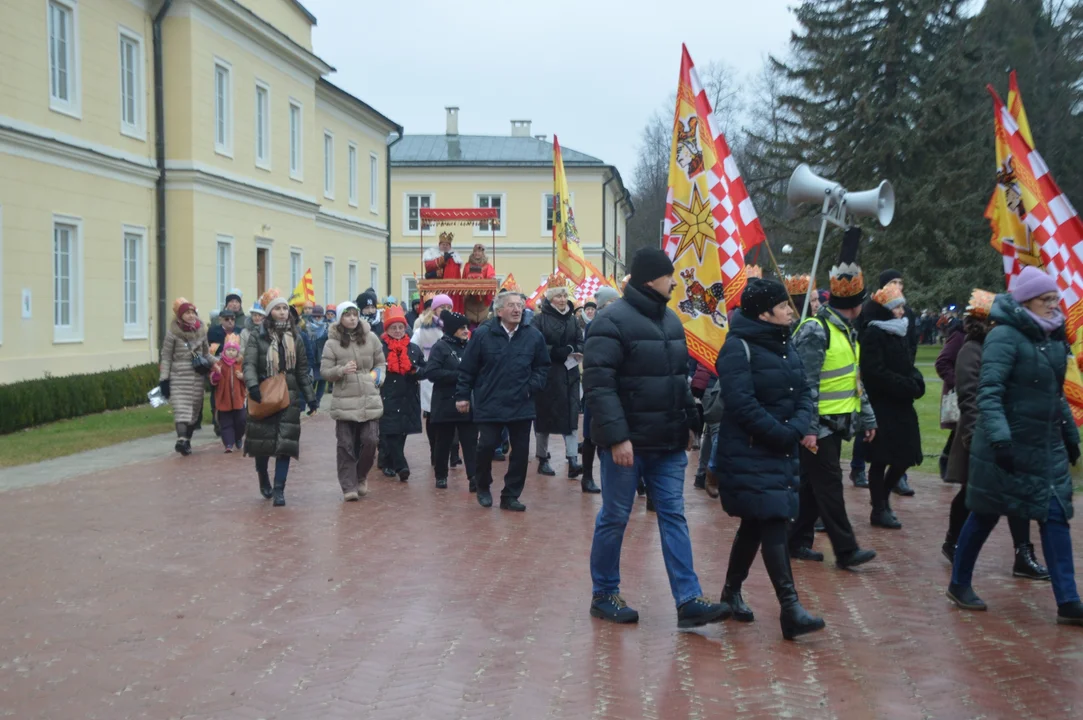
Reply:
x=276, y=348
x=1024, y=440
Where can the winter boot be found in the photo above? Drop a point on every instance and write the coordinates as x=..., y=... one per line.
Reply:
x=279, y=492
x=1027, y=565
x=1070, y=613
x=742, y=553
x=574, y=468
x=588, y=486
x=441, y=483
x=948, y=548
x=700, y=481
x=794, y=619
x=903, y=488
x=265, y=484
x=544, y=468
x=859, y=478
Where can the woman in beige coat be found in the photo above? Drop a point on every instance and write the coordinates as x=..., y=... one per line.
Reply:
x=183, y=349
x=353, y=362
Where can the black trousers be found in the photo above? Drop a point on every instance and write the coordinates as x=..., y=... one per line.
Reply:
x=750, y=536
x=446, y=434
x=489, y=441
x=821, y=494
x=396, y=456
x=882, y=480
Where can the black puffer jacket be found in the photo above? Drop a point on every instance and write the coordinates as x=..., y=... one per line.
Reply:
x=501, y=376
x=768, y=406
x=558, y=405
x=635, y=375
x=442, y=370
x=279, y=434
x=402, y=396
x=893, y=384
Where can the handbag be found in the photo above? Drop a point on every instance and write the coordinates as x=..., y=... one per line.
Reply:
x=200, y=363
x=276, y=398
x=949, y=408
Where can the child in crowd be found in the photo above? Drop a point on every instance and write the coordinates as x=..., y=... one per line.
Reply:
x=229, y=393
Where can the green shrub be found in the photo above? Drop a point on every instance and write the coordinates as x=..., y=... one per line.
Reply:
x=35, y=402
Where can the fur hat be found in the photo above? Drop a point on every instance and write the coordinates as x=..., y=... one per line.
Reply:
x=452, y=321
x=181, y=306
x=980, y=304
x=762, y=296
x=847, y=278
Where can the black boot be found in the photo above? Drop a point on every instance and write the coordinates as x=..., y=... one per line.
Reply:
x=859, y=478
x=1027, y=565
x=544, y=468
x=473, y=485
x=742, y=553
x=948, y=548
x=264, y=484
x=279, y=493
x=700, y=481
x=587, y=483
x=903, y=487
x=182, y=438
x=794, y=619
x=588, y=452
x=574, y=468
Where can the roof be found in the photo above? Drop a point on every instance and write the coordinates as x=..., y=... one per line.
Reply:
x=483, y=150
x=304, y=11
x=360, y=104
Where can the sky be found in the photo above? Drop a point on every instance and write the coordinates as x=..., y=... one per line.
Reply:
x=590, y=71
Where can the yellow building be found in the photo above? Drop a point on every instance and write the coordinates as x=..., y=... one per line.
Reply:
x=259, y=166
x=513, y=173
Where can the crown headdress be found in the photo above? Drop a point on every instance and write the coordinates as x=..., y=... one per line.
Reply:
x=797, y=284
x=890, y=296
x=447, y=236
x=557, y=281
x=847, y=279
x=980, y=304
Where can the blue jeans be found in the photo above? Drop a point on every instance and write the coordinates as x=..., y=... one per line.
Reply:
x=1056, y=547
x=857, y=461
x=664, y=475
x=282, y=467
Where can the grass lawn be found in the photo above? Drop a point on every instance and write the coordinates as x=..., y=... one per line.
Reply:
x=87, y=433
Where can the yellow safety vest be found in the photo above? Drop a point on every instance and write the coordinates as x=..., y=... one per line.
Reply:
x=840, y=392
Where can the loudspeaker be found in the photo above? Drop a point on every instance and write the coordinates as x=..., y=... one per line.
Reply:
x=878, y=203
x=807, y=186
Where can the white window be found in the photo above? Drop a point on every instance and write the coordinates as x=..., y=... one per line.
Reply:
x=328, y=280
x=328, y=165
x=224, y=266
x=414, y=203
x=409, y=288
x=496, y=202
x=63, y=57
x=374, y=182
x=296, y=143
x=67, y=280
x=353, y=174
x=352, y=276
x=547, y=213
x=263, y=126
x=134, y=257
x=374, y=277
x=132, y=92
x=223, y=108
x=296, y=269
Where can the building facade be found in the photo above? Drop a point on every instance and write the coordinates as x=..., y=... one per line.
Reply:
x=513, y=173
x=260, y=167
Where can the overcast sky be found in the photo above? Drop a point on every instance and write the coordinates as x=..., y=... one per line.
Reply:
x=590, y=71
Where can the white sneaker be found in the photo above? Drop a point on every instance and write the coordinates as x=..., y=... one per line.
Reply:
x=350, y=497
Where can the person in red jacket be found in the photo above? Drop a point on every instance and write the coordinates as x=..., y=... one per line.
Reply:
x=227, y=377
x=476, y=307
x=443, y=263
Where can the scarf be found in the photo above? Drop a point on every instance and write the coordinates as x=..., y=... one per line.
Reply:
x=398, y=359
x=189, y=327
x=283, y=347
x=895, y=326
x=1048, y=325
x=227, y=360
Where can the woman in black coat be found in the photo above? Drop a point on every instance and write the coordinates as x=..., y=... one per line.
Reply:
x=768, y=407
x=557, y=406
x=442, y=370
x=401, y=390
x=893, y=384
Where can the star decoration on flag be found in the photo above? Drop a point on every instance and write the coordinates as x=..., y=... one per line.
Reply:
x=695, y=226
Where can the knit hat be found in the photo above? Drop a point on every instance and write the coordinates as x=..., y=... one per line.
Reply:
x=605, y=295
x=762, y=296
x=233, y=340
x=391, y=300
x=442, y=300
x=235, y=294
x=452, y=321
x=317, y=311
x=272, y=299
x=346, y=306
x=1033, y=283
x=257, y=309
x=889, y=275
x=181, y=306
x=889, y=296
x=648, y=265
x=847, y=279
x=392, y=315
x=366, y=299
x=330, y=309
x=590, y=303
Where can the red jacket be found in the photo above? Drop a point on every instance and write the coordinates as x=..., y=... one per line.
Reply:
x=229, y=390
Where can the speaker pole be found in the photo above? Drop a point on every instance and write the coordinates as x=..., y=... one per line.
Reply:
x=816, y=258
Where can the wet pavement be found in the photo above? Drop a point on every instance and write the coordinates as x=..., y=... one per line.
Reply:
x=170, y=589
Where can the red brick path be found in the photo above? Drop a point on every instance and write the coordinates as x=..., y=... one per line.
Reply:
x=172, y=590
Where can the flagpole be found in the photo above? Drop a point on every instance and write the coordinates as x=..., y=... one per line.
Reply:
x=816, y=258
x=778, y=271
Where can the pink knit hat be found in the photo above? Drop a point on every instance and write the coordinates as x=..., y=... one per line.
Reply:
x=1033, y=283
x=442, y=300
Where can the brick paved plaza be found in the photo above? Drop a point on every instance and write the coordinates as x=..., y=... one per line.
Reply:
x=170, y=589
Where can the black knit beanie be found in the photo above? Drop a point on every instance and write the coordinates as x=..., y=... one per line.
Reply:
x=648, y=265
x=889, y=275
x=761, y=296
x=452, y=321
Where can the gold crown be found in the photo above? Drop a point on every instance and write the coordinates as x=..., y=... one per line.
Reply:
x=266, y=298
x=980, y=304
x=688, y=273
x=797, y=284
x=891, y=295
x=689, y=134
x=557, y=280
x=753, y=271
x=847, y=281
x=447, y=237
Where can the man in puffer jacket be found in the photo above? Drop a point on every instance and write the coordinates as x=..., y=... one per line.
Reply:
x=642, y=420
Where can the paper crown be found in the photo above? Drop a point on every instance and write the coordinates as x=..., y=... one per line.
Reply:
x=233, y=340
x=557, y=281
x=266, y=298
x=753, y=271
x=890, y=296
x=980, y=304
x=847, y=279
x=447, y=237
x=797, y=284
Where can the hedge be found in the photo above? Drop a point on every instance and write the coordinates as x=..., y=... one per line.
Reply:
x=35, y=402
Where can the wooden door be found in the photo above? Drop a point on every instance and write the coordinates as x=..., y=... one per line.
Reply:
x=261, y=271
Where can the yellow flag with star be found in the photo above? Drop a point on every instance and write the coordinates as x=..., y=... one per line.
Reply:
x=690, y=222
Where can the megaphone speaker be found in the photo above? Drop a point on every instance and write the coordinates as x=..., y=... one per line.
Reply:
x=807, y=186
x=878, y=203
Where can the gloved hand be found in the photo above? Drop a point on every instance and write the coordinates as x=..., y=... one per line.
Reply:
x=313, y=407
x=1073, y=453
x=253, y=392
x=164, y=387
x=1004, y=457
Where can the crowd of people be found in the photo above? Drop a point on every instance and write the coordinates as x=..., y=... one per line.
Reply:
x=771, y=417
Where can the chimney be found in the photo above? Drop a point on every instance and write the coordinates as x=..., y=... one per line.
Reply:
x=543, y=138
x=452, y=120
x=520, y=128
